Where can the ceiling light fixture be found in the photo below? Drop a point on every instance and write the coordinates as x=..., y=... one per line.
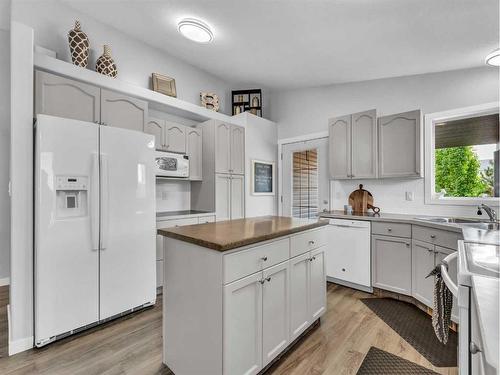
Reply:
x=195, y=30
x=493, y=58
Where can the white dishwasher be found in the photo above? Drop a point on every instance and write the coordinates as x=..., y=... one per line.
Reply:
x=348, y=254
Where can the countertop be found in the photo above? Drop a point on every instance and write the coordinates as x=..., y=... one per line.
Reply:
x=486, y=295
x=227, y=235
x=169, y=215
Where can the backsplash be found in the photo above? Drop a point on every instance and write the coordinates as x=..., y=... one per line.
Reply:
x=173, y=195
x=390, y=196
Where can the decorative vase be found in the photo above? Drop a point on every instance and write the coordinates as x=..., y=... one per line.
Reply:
x=255, y=101
x=105, y=63
x=79, y=46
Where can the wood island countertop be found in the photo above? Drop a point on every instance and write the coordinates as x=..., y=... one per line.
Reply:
x=230, y=234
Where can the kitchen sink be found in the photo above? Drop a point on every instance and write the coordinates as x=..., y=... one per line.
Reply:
x=477, y=223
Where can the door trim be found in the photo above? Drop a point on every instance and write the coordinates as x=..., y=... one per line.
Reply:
x=285, y=141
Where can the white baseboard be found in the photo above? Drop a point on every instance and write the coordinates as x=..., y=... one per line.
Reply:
x=5, y=281
x=20, y=345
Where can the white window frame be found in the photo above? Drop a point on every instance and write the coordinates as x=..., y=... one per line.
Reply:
x=455, y=114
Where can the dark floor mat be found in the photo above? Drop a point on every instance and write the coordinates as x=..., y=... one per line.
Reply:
x=379, y=362
x=415, y=326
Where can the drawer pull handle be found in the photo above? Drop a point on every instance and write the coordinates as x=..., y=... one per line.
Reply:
x=311, y=242
x=343, y=269
x=430, y=250
x=264, y=259
x=433, y=236
x=407, y=244
x=312, y=258
x=262, y=281
x=268, y=279
x=389, y=229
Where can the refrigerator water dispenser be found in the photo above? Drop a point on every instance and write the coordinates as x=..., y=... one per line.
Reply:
x=71, y=196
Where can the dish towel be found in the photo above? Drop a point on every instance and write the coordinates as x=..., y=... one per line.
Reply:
x=443, y=302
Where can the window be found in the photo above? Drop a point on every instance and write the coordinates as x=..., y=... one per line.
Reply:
x=463, y=156
x=305, y=184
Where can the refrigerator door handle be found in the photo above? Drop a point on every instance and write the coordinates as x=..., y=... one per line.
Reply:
x=104, y=202
x=94, y=201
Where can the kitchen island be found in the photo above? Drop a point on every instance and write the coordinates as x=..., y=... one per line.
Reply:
x=238, y=293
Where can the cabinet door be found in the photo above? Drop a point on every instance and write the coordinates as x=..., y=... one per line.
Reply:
x=175, y=137
x=237, y=159
x=441, y=253
x=155, y=127
x=340, y=147
x=237, y=196
x=399, y=145
x=194, y=149
x=364, y=144
x=300, y=317
x=122, y=111
x=422, y=264
x=317, y=284
x=275, y=311
x=222, y=148
x=63, y=97
x=242, y=326
x=391, y=264
x=222, y=197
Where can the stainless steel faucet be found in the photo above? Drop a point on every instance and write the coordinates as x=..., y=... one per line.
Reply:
x=489, y=211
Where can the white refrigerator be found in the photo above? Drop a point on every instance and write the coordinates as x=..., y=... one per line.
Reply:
x=95, y=249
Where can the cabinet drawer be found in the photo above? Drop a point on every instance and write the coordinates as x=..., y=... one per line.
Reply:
x=436, y=236
x=392, y=229
x=246, y=262
x=206, y=219
x=176, y=222
x=303, y=242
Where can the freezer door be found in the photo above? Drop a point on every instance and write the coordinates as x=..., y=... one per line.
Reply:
x=128, y=221
x=66, y=226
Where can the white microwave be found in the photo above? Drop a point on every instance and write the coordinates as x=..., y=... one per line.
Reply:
x=168, y=164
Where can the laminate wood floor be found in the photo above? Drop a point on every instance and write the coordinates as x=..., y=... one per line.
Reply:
x=133, y=345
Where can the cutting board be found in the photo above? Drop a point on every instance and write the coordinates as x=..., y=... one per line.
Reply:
x=361, y=200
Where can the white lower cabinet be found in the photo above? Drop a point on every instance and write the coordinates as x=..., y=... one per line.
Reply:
x=299, y=295
x=243, y=326
x=317, y=285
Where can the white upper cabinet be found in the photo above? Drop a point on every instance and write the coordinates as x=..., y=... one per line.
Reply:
x=399, y=145
x=223, y=197
x=63, y=97
x=121, y=111
x=237, y=147
x=194, y=149
x=222, y=148
x=237, y=196
x=340, y=147
x=155, y=127
x=364, y=144
x=175, y=137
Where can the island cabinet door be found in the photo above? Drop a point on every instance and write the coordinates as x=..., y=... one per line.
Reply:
x=242, y=353
x=276, y=311
x=317, y=284
x=299, y=295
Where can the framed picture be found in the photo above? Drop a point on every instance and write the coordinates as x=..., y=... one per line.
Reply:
x=263, y=176
x=164, y=85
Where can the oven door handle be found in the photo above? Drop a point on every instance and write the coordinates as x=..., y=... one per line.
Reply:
x=446, y=276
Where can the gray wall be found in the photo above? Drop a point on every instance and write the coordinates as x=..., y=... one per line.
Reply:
x=4, y=156
x=305, y=111
x=135, y=60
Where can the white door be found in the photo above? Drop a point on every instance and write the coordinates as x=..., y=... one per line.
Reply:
x=237, y=160
x=222, y=148
x=364, y=144
x=299, y=295
x=305, y=178
x=194, y=149
x=340, y=147
x=317, y=283
x=175, y=137
x=66, y=264
x=128, y=222
x=276, y=311
x=222, y=197
x=242, y=331
x=237, y=196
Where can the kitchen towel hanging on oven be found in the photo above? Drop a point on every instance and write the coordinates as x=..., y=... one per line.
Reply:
x=443, y=303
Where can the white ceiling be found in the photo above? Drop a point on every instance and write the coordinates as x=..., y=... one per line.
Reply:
x=283, y=44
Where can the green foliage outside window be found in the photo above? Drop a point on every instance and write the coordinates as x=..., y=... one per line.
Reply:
x=458, y=173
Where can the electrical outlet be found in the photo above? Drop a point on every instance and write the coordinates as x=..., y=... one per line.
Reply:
x=409, y=195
